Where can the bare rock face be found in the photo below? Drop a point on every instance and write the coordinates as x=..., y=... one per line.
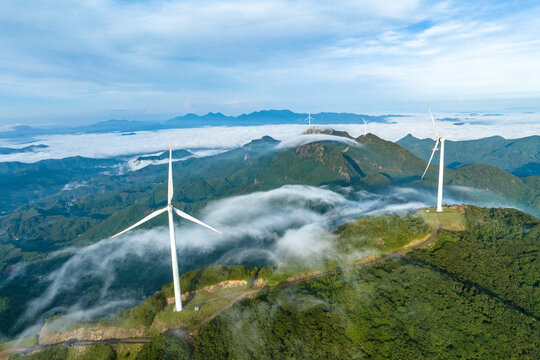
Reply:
x=48, y=336
x=210, y=289
x=259, y=282
x=312, y=150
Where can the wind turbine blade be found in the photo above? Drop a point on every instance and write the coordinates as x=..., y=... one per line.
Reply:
x=450, y=136
x=431, y=158
x=171, y=189
x=191, y=218
x=433, y=119
x=151, y=216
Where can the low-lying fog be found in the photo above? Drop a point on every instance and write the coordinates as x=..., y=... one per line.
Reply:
x=461, y=126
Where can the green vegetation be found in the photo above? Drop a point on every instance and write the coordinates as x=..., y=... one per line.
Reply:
x=51, y=353
x=451, y=219
x=453, y=300
x=165, y=348
x=383, y=233
x=106, y=204
x=99, y=352
x=518, y=156
x=504, y=238
x=198, y=279
x=142, y=314
x=145, y=313
x=474, y=293
x=23, y=342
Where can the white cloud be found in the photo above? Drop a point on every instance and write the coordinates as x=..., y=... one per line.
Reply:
x=304, y=139
x=211, y=140
x=288, y=223
x=212, y=56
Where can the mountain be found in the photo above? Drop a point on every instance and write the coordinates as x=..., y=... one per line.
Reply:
x=263, y=117
x=459, y=284
x=520, y=157
x=7, y=150
x=24, y=183
x=109, y=203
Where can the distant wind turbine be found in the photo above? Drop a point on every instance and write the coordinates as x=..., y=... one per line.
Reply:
x=439, y=140
x=309, y=118
x=169, y=208
x=365, y=126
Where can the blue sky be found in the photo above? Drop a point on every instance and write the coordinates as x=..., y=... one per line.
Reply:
x=70, y=62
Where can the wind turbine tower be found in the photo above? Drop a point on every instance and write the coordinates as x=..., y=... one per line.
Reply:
x=439, y=140
x=365, y=126
x=170, y=209
x=309, y=118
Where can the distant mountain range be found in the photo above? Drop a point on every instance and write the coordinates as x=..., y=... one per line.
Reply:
x=263, y=117
x=520, y=157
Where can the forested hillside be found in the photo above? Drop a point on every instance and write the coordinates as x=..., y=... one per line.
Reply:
x=472, y=293
x=521, y=156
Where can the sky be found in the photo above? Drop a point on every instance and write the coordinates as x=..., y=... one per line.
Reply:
x=76, y=62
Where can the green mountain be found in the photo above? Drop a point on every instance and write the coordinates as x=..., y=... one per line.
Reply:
x=24, y=183
x=109, y=203
x=458, y=284
x=521, y=156
x=7, y=150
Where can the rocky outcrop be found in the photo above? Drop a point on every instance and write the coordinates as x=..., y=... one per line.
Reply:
x=210, y=289
x=48, y=335
x=304, y=275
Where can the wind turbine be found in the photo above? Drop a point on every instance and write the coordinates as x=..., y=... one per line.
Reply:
x=309, y=118
x=170, y=209
x=439, y=139
x=365, y=126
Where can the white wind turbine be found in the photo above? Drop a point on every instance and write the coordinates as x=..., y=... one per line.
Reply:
x=309, y=118
x=438, y=140
x=365, y=126
x=170, y=209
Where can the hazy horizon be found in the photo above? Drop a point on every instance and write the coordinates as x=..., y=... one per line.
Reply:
x=90, y=61
x=65, y=121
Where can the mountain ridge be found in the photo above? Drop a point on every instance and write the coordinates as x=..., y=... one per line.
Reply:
x=262, y=117
x=518, y=156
